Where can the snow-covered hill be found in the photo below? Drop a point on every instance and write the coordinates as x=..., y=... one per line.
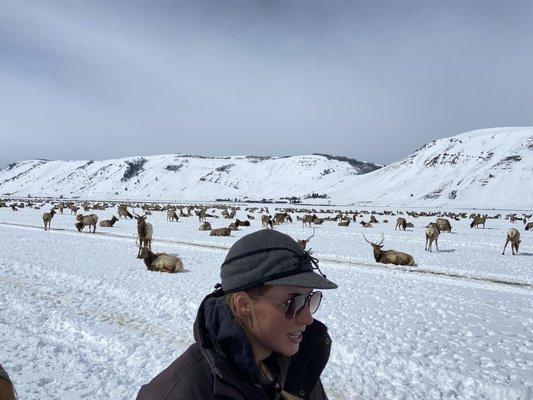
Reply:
x=489, y=168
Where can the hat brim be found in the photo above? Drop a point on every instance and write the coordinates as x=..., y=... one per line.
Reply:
x=307, y=279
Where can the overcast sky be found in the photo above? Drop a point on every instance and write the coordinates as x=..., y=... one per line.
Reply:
x=372, y=80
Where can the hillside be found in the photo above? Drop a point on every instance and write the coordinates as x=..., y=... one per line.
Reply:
x=488, y=168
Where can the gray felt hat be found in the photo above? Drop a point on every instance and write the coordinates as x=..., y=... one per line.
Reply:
x=270, y=257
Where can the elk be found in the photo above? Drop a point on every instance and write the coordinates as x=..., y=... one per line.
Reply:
x=529, y=226
x=206, y=226
x=309, y=219
x=513, y=236
x=220, y=232
x=373, y=220
x=47, y=218
x=389, y=256
x=266, y=221
x=234, y=226
x=160, y=261
x=123, y=212
x=86, y=220
x=242, y=223
x=432, y=235
x=478, y=220
x=202, y=214
x=303, y=243
x=108, y=223
x=14, y=207
x=401, y=223
x=444, y=225
x=74, y=209
x=409, y=225
x=172, y=216
x=280, y=218
x=344, y=222
x=144, y=232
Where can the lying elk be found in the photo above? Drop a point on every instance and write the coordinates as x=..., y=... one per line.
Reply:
x=303, y=243
x=344, y=222
x=162, y=262
x=108, y=223
x=47, y=218
x=144, y=232
x=172, y=216
x=220, y=232
x=432, y=235
x=242, y=223
x=401, y=223
x=513, y=236
x=86, y=220
x=479, y=221
x=390, y=256
x=206, y=226
x=366, y=224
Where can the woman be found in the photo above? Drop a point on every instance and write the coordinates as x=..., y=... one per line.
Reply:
x=255, y=337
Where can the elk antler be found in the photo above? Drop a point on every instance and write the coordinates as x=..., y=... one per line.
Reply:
x=309, y=238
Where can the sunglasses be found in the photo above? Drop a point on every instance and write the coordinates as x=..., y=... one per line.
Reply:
x=295, y=305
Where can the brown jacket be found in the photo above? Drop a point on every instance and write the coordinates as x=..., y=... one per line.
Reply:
x=220, y=364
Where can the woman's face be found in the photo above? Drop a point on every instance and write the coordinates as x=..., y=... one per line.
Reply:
x=271, y=329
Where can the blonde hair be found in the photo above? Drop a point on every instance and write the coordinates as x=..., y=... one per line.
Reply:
x=247, y=323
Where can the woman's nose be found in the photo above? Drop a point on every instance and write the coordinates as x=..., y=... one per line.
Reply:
x=305, y=317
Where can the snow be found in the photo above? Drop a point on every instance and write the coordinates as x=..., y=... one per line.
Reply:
x=465, y=170
x=83, y=318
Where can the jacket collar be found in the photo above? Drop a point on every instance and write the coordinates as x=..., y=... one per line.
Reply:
x=229, y=353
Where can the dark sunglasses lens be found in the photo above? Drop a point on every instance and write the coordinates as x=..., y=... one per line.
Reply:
x=314, y=301
x=295, y=305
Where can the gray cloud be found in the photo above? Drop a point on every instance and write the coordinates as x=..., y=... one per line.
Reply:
x=369, y=80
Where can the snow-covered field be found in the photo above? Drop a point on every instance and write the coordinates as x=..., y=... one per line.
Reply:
x=83, y=318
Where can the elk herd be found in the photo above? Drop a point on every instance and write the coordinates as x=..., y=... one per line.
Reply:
x=164, y=262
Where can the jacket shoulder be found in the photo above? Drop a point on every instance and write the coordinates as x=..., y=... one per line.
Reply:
x=188, y=377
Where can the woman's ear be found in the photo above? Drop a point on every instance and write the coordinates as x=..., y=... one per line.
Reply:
x=242, y=302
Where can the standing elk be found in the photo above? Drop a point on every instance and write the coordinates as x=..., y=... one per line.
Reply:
x=444, y=225
x=47, y=218
x=266, y=221
x=529, y=226
x=123, y=212
x=401, y=223
x=479, y=221
x=309, y=219
x=86, y=220
x=160, y=261
x=172, y=216
x=432, y=235
x=389, y=256
x=144, y=232
x=513, y=236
